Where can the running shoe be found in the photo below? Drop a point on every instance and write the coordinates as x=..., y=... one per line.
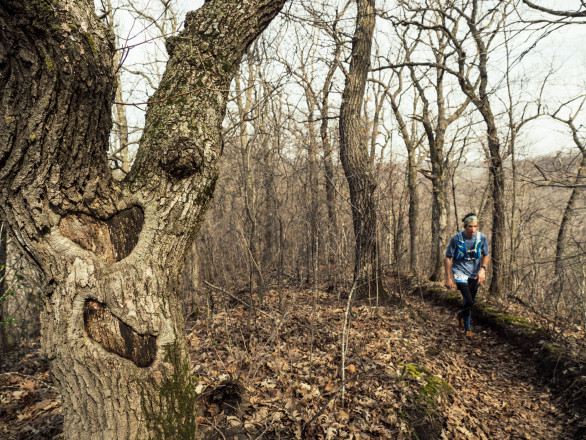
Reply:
x=460, y=320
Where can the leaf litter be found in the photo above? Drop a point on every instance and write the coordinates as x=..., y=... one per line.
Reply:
x=276, y=373
x=410, y=374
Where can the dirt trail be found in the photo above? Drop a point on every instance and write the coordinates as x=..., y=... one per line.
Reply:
x=498, y=391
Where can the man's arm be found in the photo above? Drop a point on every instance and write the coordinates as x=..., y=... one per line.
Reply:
x=448, y=269
x=482, y=271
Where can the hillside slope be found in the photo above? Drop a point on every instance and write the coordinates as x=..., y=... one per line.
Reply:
x=266, y=373
x=409, y=371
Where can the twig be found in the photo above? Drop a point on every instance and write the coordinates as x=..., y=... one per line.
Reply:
x=345, y=335
x=234, y=297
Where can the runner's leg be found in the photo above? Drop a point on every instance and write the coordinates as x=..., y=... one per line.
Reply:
x=468, y=303
x=473, y=287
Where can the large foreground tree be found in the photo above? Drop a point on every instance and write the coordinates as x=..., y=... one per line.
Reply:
x=112, y=251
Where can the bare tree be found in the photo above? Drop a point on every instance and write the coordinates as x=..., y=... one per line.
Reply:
x=111, y=252
x=436, y=126
x=530, y=111
x=355, y=158
x=569, y=212
x=413, y=142
x=483, y=25
x=327, y=25
x=246, y=101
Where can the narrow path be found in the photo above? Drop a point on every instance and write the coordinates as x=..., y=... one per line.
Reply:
x=498, y=392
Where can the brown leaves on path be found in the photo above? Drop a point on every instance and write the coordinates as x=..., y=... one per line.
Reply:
x=276, y=374
x=29, y=406
x=409, y=368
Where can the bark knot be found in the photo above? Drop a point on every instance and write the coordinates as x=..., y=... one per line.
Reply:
x=184, y=158
x=116, y=336
x=111, y=240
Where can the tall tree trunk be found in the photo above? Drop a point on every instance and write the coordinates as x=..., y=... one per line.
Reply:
x=398, y=220
x=330, y=198
x=497, y=179
x=329, y=168
x=481, y=101
x=439, y=212
x=413, y=209
x=511, y=284
x=567, y=217
x=355, y=159
x=270, y=248
x=245, y=104
x=312, y=183
x=439, y=162
x=111, y=252
x=412, y=167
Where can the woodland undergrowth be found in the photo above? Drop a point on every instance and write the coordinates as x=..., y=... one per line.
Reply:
x=274, y=372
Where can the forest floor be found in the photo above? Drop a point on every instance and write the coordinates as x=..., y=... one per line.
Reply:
x=275, y=372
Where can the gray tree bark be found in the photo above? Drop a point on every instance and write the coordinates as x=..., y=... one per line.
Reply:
x=354, y=156
x=111, y=252
x=496, y=169
x=3, y=262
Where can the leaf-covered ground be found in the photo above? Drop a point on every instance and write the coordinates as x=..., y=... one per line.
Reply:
x=29, y=405
x=275, y=372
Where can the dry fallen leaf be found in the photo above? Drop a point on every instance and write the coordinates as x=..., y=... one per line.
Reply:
x=351, y=369
x=342, y=416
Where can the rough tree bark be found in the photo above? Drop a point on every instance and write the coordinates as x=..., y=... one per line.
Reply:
x=3, y=262
x=111, y=251
x=354, y=156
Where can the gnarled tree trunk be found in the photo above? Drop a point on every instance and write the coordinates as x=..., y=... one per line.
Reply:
x=112, y=251
x=497, y=178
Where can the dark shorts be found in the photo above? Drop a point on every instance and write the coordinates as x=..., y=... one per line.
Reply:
x=468, y=291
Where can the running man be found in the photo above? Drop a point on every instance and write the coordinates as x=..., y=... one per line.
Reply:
x=467, y=257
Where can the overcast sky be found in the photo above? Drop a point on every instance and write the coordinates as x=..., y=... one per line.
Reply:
x=563, y=50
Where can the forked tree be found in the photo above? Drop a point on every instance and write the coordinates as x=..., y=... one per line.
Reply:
x=111, y=251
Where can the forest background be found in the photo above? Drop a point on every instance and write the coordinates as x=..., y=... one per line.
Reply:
x=281, y=208
x=281, y=211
